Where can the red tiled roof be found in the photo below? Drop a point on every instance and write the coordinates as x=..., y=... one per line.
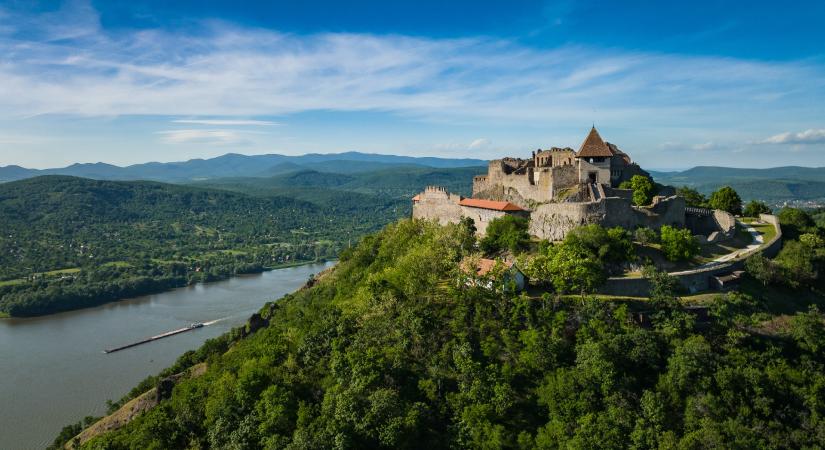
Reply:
x=489, y=204
x=485, y=265
x=594, y=147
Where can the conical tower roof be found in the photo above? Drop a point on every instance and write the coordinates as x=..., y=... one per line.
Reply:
x=594, y=147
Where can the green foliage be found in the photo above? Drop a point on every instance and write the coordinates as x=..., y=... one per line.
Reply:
x=645, y=236
x=582, y=261
x=626, y=184
x=754, y=208
x=678, y=244
x=506, y=233
x=123, y=239
x=726, y=199
x=389, y=352
x=610, y=246
x=797, y=263
x=795, y=221
x=761, y=268
x=643, y=189
x=692, y=197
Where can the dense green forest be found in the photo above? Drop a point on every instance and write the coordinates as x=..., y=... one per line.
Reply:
x=396, y=182
x=73, y=242
x=396, y=349
x=774, y=186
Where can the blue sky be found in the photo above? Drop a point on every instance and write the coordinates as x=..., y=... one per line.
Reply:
x=673, y=84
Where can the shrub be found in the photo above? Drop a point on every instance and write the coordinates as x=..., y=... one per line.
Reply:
x=508, y=232
x=645, y=236
x=760, y=268
x=642, y=190
x=678, y=244
x=755, y=208
x=692, y=197
x=726, y=199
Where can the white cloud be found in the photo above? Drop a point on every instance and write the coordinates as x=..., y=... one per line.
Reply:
x=804, y=137
x=208, y=137
x=479, y=144
x=226, y=71
x=226, y=122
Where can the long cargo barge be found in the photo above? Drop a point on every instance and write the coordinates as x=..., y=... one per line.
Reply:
x=155, y=338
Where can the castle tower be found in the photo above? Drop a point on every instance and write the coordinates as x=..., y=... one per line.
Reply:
x=594, y=158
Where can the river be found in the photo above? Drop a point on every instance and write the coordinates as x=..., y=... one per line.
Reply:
x=53, y=371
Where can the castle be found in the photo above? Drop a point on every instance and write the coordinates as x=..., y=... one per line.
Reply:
x=560, y=189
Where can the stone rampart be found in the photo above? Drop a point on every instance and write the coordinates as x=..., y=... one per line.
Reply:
x=553, y=221
x=435, y=203
x=696, y=280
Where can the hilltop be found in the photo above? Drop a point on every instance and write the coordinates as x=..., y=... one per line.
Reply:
x=391, y=350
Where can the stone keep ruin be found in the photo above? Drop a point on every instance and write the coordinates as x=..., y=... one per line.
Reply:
x=560, y=189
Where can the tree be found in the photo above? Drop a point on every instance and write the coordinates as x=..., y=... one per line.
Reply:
x=642, y=190
x=795, y=222
x=574, y=269
x=796, y=261
x=692, y=197
x=726, y=199
x=808, y=329
x=644, y=235
x=760, y=268
x=678, y=244
x=608, y=245
x=754, y=208
x=508, y=232
x=468, y=234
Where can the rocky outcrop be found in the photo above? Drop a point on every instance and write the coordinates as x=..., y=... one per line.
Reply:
x=135, y=407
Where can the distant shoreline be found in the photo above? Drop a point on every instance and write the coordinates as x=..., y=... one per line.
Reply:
x=4, y=315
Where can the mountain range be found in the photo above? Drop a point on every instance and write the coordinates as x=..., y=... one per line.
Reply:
x=236, y=165
x=394, y=175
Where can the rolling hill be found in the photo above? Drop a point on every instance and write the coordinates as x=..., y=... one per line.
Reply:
x=235, y=165
x=773, y=185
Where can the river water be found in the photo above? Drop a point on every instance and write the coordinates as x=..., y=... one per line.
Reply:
x=53, y=371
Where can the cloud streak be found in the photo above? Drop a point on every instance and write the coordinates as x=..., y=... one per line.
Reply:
x=803, y=137
x=222, y=70
x=226, y=122
x=206, y=137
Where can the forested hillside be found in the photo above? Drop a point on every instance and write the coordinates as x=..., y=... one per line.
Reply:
x=392, y=351
x=70, y=242
x=396, y=182
x=773, y=185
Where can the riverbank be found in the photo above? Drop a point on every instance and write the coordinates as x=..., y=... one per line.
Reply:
x=71, y=344
x=43, y=301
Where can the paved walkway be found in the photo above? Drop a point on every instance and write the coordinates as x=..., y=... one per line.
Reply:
x=757, y=242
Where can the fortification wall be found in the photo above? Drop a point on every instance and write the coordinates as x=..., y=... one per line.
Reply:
x=523, y=183
x=696, y=280
x=553, y=221
x=482, y=217
x=563, y=177
x=436, y=203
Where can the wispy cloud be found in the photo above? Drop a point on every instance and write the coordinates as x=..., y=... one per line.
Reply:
x=226, y=122
x=479, y=143
x=803, y=137
x=207, y=137
x=227, y=71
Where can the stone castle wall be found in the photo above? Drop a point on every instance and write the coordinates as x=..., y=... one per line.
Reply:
x=530, y=185
x=482, y=217
x=554, y=220
x=435, y=203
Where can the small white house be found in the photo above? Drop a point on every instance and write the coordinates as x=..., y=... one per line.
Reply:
x=511, y=275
